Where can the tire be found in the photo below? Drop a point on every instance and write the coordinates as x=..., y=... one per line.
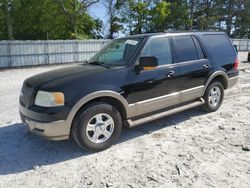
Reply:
x=97, y=126
x=212, y=103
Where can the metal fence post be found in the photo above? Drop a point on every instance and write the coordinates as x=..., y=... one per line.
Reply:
x=9, y=54
x=47, y=51
x=76, y=58
x=248, y=45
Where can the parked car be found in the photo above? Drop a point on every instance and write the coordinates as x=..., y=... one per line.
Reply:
x=131, y=81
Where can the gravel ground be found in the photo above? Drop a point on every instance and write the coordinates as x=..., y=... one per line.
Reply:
x=189, y=149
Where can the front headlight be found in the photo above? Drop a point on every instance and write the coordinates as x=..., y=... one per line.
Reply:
x=49, y=99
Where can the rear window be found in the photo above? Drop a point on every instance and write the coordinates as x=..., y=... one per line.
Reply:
x=218, y=45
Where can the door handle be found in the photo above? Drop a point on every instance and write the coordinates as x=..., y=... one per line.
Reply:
x=205, y=66
x=170, y=74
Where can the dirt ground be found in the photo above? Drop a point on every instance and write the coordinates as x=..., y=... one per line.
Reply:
x=189, y=149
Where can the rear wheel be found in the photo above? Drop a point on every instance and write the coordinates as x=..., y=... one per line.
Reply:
x=213, y=96
x=97, y=126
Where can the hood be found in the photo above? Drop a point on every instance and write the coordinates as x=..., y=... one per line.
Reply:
x=64, y=74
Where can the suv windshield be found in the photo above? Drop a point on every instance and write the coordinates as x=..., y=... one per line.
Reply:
x=117, y=52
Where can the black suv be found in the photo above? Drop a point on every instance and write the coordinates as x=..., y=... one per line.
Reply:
x=132, y=80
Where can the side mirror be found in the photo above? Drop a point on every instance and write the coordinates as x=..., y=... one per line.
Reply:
x=236, y=48
x=147, y=63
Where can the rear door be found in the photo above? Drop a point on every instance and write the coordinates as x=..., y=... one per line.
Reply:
x=193, y=65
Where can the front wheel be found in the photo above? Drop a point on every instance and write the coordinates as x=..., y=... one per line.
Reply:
x=97, y=126
x=213, y=96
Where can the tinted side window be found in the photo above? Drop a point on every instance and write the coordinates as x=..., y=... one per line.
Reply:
x=185, y=48
x=218, y=45
x=199, y=49
x=159, y=47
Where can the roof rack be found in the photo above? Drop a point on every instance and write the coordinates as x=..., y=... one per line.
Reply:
x=184, y=31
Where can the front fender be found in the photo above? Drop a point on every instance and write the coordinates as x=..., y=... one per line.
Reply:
x=98, y=94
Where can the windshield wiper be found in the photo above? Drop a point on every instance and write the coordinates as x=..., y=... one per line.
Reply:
x=99, y=63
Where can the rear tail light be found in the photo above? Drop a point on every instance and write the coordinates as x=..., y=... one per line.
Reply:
x=236, y=64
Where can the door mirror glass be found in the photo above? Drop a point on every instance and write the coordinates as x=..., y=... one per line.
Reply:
x=148, y=62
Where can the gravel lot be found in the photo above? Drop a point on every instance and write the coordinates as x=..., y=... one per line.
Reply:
x=189, y=149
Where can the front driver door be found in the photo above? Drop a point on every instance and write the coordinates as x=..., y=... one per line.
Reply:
x=155, y=89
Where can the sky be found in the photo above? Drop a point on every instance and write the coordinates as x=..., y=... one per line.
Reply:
x=98, y=11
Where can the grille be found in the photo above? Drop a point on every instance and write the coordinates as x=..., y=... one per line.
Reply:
x=27, y=91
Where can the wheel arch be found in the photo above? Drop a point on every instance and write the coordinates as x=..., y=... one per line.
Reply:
x=107, y=96
x=221, y=76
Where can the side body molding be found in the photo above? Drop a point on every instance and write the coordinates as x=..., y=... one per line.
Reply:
x=217, y=73
x=104, y=93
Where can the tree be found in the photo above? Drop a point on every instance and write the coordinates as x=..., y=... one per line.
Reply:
x=159, y=14
x=145, y=16
x=69, y=19
x=7, y=8
x=38, y=20
x=2, y=24
x=112, y=9
x=191, y=5
x=241, y=21
x=179, y=15
x=33, y=19
x=244, y=28
x=136, y=14
x=206, y=15
x=75, y=10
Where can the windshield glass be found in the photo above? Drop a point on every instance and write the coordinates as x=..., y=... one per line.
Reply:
x=117, y=52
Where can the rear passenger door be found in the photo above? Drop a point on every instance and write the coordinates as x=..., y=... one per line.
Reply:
x=193, y=66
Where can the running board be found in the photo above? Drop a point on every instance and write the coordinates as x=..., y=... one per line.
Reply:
x=153, y=117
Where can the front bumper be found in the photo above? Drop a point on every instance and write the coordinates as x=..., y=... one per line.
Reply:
x=55, y=130
x=232, y=81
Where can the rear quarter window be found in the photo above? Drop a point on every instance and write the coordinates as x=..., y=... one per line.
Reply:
x=218, y=45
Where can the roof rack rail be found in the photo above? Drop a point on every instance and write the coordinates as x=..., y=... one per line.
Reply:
x=183, y=31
